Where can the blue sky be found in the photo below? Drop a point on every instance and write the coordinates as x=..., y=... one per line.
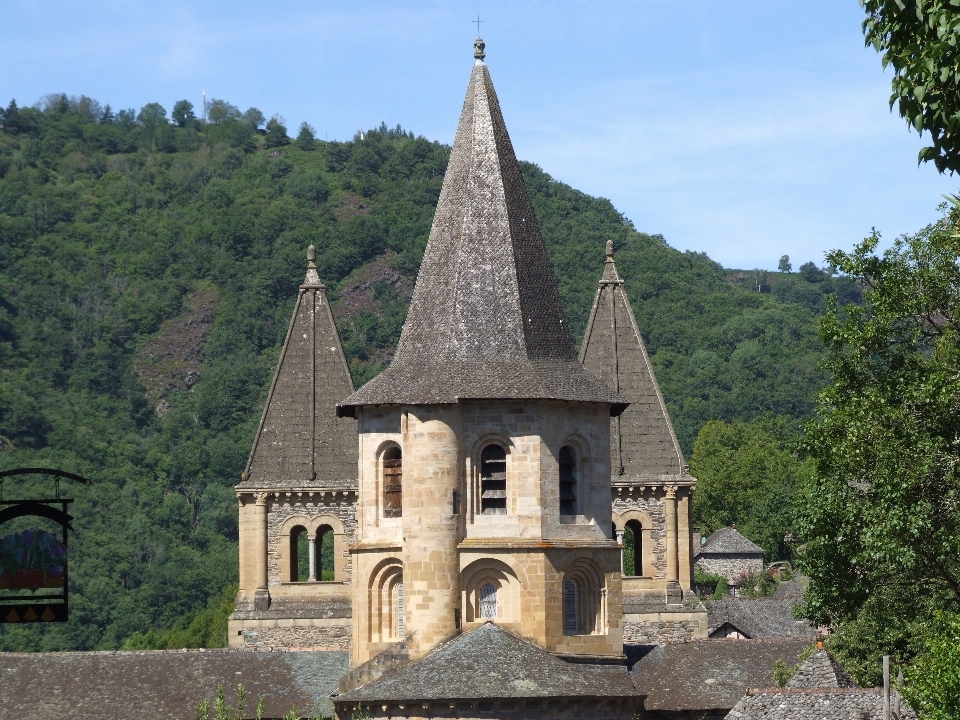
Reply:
x=743, y=129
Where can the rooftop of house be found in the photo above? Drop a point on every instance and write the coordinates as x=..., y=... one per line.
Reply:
x=707, y=675
x=485, y=321
x=820, y=703
x=643, y=444
x=728, y=541
x=489, y=663
x=163, y=683
x=821, y=670
x=758, y=618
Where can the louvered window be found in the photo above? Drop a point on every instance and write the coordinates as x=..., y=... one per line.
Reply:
x=400, y=610
x=568, y=481
x=493, y=480
x=488, y=600
x=570, y=608
x=392, y=483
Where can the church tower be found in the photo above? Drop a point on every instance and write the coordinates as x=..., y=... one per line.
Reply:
x=652, y=489
x=484, y=463
x=298, y=494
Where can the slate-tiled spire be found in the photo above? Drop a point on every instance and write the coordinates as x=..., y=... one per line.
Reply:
x=486, y=320
x=642, y=441
x=301, y=442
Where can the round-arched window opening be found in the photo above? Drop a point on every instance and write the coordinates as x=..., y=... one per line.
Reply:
x=493, y=480
x=488, y=601
x=392, y=482
x=568, y=481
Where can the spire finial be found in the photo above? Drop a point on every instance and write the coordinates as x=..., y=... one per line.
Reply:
x=478, y=46
x=609, y=249
x=313, y=277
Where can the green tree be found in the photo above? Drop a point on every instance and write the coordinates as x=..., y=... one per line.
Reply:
x=784, y=265
x=746, y=476
x=884, y=505
x=932, y=683
x=919, y=39
x=277, y=132
x=182, y=113
x=306, y=136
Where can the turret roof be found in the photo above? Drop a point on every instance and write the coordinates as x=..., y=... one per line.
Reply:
x=642, y=442
x=301, y=442
x=486, y=320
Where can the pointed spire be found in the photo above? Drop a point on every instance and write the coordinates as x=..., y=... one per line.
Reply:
x=642, y=441
x=486, y=319
x=301, y=442
x=312, y=279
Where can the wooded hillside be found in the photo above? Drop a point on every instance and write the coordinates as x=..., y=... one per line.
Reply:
x=149, y=268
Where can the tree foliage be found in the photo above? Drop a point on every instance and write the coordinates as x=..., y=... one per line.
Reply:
x=919, y=39
x=746, y=474
x=884, y=507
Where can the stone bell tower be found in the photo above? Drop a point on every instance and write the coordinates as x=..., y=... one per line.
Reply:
x=484, y=462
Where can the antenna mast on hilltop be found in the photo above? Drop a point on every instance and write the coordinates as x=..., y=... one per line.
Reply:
x=204, y=105
x=361, y=131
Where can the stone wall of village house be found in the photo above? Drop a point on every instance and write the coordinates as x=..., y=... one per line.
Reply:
x=279, y=511
x=660, y=631
x=730, y=566
x=655, y=556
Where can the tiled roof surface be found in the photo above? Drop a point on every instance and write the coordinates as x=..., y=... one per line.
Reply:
x=763, y=617
x=163, y=683
x=485, y=321
x=642, y=441
x=301, y=442
x=819, y=704
x=821, y=670
x=728, y=540
x=491, y=663
x=707, y=675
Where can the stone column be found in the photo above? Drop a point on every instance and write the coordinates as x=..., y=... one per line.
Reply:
x=313, y=558
x=431, y=564
x=261, y=598
x=620, y=543
x=674, y=593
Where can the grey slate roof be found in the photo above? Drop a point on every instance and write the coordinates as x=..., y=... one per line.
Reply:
x=301, y=442
x=642, y=441
x=819, y=704
x=162, y=683
x=821, y=670
x=757, y=618
x=489, y=663
x=707, y=675
x=728, y=541
x=486, y=320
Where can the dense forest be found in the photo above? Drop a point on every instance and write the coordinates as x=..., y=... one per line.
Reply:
x=149, y=266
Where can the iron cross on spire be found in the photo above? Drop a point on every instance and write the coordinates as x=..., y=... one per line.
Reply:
x=478, y=21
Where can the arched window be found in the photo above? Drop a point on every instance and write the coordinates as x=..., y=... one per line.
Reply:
x=493, y=480
x=392, y=483
x=570, y=624
x=324, y=567
x=399, y=606
x=299, y=554
x=568, y=481
x=488, y=600
x=633, y=548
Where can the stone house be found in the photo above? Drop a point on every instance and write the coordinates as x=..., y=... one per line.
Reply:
x=728, y=553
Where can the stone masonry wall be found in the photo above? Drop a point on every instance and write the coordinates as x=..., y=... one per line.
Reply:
x=655, y=557
x=659, y=632
x=299, y=637
x=730, y=566
x=344, y=510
